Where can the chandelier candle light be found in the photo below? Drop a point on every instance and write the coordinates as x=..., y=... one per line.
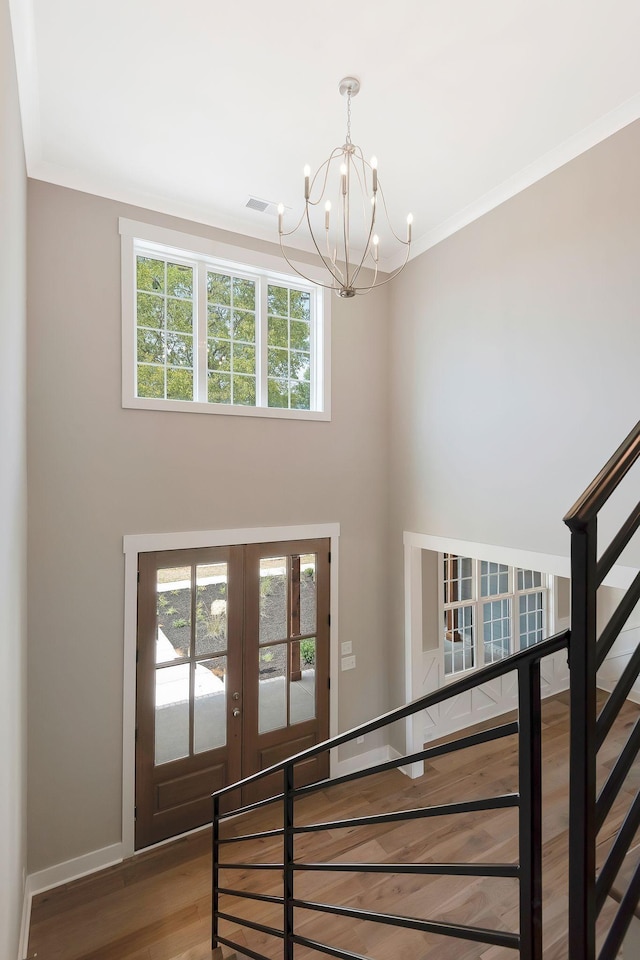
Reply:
x=354, y=209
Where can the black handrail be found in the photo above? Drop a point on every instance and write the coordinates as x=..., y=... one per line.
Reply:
x=587, y=812
x=462, y=685
x=600, y=489
x=528, y=801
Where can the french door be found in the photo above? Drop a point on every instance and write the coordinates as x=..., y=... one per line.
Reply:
x=232, y=675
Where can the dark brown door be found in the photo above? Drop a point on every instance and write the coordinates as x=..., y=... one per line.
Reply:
x=286, y=659
x=189, y=667
x=232, y=674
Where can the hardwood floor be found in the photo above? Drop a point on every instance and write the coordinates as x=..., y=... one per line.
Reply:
x=157, y=905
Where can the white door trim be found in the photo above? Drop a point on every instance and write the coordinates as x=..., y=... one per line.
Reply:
x=133, y=544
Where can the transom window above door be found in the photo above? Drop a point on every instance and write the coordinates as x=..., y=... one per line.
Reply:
x=209, y=335
x=490, y=610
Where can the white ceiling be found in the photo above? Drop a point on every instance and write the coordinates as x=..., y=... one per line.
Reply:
x=192, y=107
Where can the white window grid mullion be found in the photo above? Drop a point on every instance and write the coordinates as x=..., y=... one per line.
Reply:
x=513, y=583
x=201, y=321
x=164, y=325
x=130, y=324
x=289, y=347
x=262, y=301
x=550, y=606
x=231, y=336
x=476, y=590
x=316, y=386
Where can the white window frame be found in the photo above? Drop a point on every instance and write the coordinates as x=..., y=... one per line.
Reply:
x=477, y=601
x=147, y=238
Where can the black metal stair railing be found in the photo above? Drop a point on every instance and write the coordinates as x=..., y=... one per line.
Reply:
x=588, y=811
x=527, y=940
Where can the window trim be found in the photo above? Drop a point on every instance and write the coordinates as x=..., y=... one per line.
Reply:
x=240, y=260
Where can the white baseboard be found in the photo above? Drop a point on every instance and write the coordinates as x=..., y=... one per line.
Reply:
x=411, y=770
x=363, y=760
x=74, y=869
x=62, y=873
x=372, y=757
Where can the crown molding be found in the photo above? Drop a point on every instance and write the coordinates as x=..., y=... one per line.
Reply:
x=573, y=147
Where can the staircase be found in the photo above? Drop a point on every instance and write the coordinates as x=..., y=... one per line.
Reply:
x=592, y=930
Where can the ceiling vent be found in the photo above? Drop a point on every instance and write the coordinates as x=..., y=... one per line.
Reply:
x=260, y=205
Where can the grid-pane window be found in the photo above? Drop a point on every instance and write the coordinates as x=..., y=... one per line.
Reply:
x=528, y=579
x=531, y=624
x=491, y=610
x=459, y=645
x=231, y=339
x=458, y=578
x=164, y=329
x=496, y=630
x=494, y=579
x=288, y=347
x=220, y=336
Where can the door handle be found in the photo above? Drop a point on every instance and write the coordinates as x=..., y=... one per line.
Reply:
x=236, y=712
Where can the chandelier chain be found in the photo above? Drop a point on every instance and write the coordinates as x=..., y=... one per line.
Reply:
x=349, y=117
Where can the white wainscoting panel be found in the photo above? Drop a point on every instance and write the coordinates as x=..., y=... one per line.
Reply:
x=486, y=701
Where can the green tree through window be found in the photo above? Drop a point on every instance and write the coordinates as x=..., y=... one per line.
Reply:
x=211, y=334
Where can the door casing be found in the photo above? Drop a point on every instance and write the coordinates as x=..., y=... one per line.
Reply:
x=142, y=543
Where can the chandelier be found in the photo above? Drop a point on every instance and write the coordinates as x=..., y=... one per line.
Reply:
x=345, y=213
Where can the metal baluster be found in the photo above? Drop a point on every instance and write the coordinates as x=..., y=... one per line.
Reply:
x=215, y=833
x=582, y=775
x=530, y=816
x=287, y=861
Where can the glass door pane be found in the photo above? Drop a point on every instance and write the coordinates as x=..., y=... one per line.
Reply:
x=273, y=599
x=173, y=614
x=172, y=713
x=173, y=643
x=287, y=614
x=272, y=688
x=211, y=608
x=210, y=704
x=302, y=692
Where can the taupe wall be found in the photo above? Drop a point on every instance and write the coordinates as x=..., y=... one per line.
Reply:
x=97, y=472
x=13, y=498
x=514, y=357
